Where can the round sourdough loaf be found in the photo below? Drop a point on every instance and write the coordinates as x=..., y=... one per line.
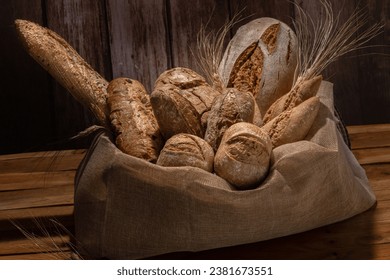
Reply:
x=187, y=150
x=174, y=113
x=192, y=87
x=243, y=158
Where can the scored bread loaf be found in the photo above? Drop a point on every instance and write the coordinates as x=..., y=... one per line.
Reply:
x=302, y=90
x=243, y=158
x=261, y=58
x=231, y=107
x=57, y=57
x=187, y=150
x=192, y=86
x=174, y=113
x=135, y=127
x=294, y=124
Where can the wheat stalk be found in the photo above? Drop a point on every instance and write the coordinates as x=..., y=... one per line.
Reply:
x=210, y=50
x=323, y=42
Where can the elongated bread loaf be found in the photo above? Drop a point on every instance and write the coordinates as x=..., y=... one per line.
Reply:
x=57, y=57
x=243, y=158
x=261, y=58
x=301, y=91
x=135, y=126
x=294, y=124
x=187, y=150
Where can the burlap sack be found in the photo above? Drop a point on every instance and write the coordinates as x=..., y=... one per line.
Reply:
x=127, y=208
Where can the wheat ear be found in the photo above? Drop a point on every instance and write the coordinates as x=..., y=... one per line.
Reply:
x=210, y=49
x=323, y=42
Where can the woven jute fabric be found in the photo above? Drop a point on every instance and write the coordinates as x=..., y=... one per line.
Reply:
x=127, y=208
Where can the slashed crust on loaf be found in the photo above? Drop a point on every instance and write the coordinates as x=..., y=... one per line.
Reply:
x=243, y=158
x=187, y=150
x=266, y=49
x=133, y=122
x=231, y=107
x=192, y=86
x=294, y=124
x=302, y=90
x=174, y=113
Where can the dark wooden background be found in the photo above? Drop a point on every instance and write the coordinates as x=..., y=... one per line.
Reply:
x=142, y=38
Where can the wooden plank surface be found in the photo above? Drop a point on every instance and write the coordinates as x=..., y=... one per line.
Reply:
x=82, y=23
x=365, y=236
x=186, y=19
x=25, y=123
x=139, y=39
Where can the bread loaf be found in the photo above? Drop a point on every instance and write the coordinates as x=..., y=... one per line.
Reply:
x=261, y=58
x=301, y=91
x=187, y=150
x=174, y=113
x=243, y=158
x=57, y=57
x=133, y=122
x=294, y=124
x=192, y=86
x=231, y=107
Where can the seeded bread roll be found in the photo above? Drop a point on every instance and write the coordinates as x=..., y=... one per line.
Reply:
x=192, y=86
x=231, y=107
x=135, y=126
x=243, y=158
x=293, y=125
x=187, y=150
x=261, y=58
x=302, y=90
x=69, y=69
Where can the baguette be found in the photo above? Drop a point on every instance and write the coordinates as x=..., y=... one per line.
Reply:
x=134, y=124
x=57, y=57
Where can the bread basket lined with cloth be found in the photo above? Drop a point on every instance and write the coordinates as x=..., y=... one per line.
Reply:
x=127, y=208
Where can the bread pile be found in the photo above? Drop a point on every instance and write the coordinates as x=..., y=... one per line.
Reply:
x=186, y=121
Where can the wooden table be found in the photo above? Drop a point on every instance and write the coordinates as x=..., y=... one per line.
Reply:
x=36, y=194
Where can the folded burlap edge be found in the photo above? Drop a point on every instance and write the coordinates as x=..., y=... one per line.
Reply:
x=128, y=208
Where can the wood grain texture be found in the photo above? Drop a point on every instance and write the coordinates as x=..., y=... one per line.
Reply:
x=186, y=19
x=365, y=236
x=138, y=39
x=25, y=99
x=373, y=67
x=82, y=24
x=251, y=9
x=360, y=94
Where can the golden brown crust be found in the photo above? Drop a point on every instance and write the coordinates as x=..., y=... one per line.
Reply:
x=302, y=90
x=293, y=125
x=134, y=124
x=243, y=158
x=247, y=70
x=174, y=113
x=57, y=57
x=192, y=87
x=231, y=107
x=187, y=150
x=270, y=73
x=270, y=36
